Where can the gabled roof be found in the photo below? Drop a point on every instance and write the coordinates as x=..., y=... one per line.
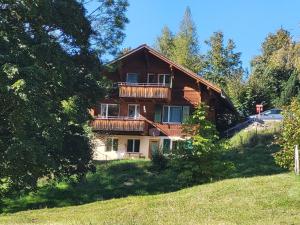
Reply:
x=177, y=66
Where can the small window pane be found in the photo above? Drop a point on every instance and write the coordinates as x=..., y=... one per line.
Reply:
x=185, y=113
x=115, y=144
x=137, y=146
x=166, y=145
x=130, y=145
x=113, y=110
x=157, y=115
x=165, y=114
x=175, y=114
x=134, y=111
x=167, y=79
x=132, y=78
x=103, y=110
x=175, y=145
x=161, y=79
x=108, y=144
x=152, y=79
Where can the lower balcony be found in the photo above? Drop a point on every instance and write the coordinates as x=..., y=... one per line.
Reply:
x=125, y=124
x=144, y=90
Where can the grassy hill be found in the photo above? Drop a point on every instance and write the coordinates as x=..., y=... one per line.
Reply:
x=255, y=191
x=264, y=200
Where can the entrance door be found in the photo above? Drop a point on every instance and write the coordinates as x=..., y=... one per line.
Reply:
x=153, y=146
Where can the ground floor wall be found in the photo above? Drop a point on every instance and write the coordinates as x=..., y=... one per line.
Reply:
x=102, y=153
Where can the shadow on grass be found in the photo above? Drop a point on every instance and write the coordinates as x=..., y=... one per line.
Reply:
x=112, y=180
x=251, y=155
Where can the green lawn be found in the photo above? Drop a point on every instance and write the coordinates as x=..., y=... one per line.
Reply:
x=255, y=191
x=260, y=200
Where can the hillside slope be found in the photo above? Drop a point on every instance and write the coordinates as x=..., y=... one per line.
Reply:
x=259, y=200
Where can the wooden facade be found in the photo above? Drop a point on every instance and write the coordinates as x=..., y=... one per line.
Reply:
x=119, y=124
x=144, y=90
x=184, y=89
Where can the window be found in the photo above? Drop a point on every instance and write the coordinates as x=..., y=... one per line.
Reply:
x=132, y=78
x=175, y=145
x=175, y=114
x=157, y=114
x=164, y=79
x=152, y=78
x=109, y=110
x=133, y=110
x=185, y=113
x=166, y=145
x=112, y=144
x=133, y=145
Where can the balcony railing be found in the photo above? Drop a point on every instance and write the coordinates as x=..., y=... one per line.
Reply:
x=118, y=124
x=144, y=90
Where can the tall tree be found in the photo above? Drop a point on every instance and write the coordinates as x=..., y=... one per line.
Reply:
x=221, y=62
x=165, y=42
x=183, y=47
x=274, y=67
x=49, y=75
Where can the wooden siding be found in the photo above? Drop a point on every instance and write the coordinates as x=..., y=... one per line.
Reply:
x=118, y=124
x=144, y=91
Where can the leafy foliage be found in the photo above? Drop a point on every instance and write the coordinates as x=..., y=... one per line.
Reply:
x=198, y=159
x=290, y=135
x=50, y=76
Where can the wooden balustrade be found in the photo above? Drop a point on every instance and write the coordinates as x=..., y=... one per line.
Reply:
x=118, y=124
x=156, y=91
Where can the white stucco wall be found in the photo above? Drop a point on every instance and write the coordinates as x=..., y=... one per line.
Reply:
x=100, y=152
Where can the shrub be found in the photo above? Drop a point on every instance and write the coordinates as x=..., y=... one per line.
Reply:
x=159, y=160
x=290, y=135
x=198, y=159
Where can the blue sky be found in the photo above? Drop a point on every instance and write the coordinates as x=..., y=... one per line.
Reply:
x=246, y=22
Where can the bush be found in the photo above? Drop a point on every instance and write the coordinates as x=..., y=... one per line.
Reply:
x=198, y=159
x=159, y=160
x=290, y=135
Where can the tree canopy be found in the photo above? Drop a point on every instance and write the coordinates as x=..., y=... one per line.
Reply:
x=50, y=76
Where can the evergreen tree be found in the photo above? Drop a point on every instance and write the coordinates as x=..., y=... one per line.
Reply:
x=221, y=62
x=186, y=51
x=165, y=42
x=183, y=47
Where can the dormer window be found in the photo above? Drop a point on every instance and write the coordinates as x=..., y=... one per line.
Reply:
x=132, y=78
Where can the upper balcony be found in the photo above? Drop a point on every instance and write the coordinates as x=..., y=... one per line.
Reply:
x=119, y=124
x=145, y=90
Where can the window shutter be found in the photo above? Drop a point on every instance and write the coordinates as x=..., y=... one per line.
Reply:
x=185, y=113
x=157, y=115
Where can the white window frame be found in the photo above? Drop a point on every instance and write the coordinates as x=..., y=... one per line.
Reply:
x=133, y=145
x=106, y=112
x=168, y=108
x=154, y=75
x=137, y=74
x=135, y=109
x=112, y=144
x=164, y=80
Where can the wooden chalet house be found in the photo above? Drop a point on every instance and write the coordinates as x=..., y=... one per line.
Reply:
x=153, y=97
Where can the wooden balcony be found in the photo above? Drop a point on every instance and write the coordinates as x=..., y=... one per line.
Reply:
x=144, y=90
x=118, y=124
